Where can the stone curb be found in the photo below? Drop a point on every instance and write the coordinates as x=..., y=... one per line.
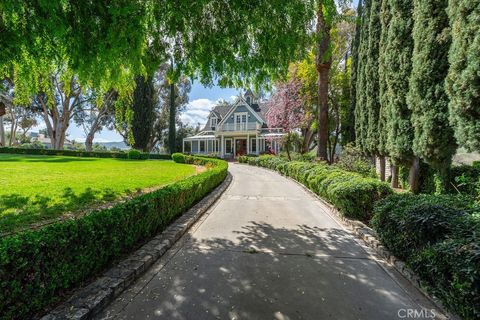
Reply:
x=369, y=237
x=91, y=299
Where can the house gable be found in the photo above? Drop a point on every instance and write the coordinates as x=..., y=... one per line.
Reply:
x=241, y=106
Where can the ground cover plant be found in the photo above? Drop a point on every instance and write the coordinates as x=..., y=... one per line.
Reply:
x=39, y=267
x=35, y=188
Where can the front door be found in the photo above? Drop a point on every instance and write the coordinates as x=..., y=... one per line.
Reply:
x=240, y=147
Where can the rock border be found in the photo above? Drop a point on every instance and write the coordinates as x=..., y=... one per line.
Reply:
x=91, y=299
x=369, y=238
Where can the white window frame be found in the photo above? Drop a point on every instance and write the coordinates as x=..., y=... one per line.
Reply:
x=200, y=146
x=253, y=141
x=231, y=145
x=213, y=126
x=240, y=126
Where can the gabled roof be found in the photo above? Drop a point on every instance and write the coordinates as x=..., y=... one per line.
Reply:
x=241, y=102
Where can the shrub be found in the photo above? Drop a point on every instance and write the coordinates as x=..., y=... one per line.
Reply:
x=75, y=153
x=352, y=159
x=37, y=267
x=178, y=157
x=134, y=154
x=352, y=194
x=438, y=237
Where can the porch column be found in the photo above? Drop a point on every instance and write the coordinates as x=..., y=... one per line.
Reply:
x=183, y=146
x=248, y=143
x=222, y=147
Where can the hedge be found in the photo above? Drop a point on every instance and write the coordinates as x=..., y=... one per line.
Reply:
x=352, y=194
x=38, y=267
x=439, y=239
x=75, y=153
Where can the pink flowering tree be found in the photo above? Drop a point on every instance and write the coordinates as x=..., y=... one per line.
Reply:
x=286, y=111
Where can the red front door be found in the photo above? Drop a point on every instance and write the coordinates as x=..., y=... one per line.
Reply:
x=240, y=147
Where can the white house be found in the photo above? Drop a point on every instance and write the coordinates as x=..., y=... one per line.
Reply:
x=236, y=130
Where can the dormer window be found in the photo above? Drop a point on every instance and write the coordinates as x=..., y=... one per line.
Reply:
x=249, y=100
x=213, y=123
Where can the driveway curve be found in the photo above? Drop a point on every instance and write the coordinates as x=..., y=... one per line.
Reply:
x=269, y=250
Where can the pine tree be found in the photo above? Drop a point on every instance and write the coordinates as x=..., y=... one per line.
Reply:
x=433, y=136
x=463, y=81
x=372, y=79
x=361, y=98
x=397, y=69
x=354, y=67
x=383, y=112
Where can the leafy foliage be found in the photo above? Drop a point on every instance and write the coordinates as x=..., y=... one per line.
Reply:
x=463, y=81
x=437, y=236
x=352, y=159
x=433, y=136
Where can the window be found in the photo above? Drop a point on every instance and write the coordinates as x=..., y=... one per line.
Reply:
x=202, y=146
x=249, y=100
x=253, y=145
x=228, y=146
x=213, y=123
x=240, y=121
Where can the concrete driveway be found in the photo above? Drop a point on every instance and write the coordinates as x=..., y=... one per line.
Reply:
x=269, y=250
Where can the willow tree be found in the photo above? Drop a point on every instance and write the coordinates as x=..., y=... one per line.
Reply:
x=463, y=82
x=433, y=136
x=398, y=66
x=361, y=112
x=372, y=90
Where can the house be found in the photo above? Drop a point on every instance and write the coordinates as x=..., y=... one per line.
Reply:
x=234, y=130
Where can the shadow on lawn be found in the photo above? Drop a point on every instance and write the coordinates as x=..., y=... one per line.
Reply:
x=19, y=211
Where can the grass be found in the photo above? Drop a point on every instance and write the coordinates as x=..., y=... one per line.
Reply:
x=38, y=188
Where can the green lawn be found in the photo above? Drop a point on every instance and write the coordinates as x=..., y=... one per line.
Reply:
x=35, y=188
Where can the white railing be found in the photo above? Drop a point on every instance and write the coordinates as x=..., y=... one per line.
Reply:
x=239, y=126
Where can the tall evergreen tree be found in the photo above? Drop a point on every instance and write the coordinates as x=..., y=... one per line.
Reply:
x=372, y=80
x=463, y=82
x=383, y=112
x=354, y=66
x=361, y=98
x=433, y=136
x=143, y=112
x=397, y=69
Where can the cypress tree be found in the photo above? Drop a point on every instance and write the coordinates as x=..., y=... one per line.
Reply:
x=383, y=112
x=354, y=70
x=433, y=136
x=361, y=98
x=463, y=81
x=397, y=68
x=143, y=106
x=372, y=80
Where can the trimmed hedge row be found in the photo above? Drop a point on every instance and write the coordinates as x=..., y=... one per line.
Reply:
x=439, y=239
x=37, y=267
x=352, y=194
x=90, y=154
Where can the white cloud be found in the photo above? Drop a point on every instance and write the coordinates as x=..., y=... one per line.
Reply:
x=197, y=111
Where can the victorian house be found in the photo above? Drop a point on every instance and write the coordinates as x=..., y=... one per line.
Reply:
x=234, y=130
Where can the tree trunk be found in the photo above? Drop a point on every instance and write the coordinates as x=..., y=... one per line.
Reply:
x=171, y=126
x=89, y=142
x=323, y=64
x=2, y=132
x=394, y=176
x=382, y=167
x=414, y=176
